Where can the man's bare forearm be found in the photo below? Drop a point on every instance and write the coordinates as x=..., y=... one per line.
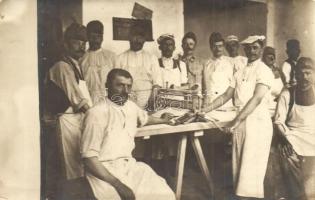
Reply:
x=248, y=109
x=95, y=167
x=221, y=100
x=155, y=120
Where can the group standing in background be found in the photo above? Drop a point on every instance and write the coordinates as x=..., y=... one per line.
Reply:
x=78, y=82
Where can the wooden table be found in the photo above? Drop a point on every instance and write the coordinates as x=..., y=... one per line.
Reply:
x=191, y=132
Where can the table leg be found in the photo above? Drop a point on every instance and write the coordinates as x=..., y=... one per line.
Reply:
x=181, y=153
x=202, y=161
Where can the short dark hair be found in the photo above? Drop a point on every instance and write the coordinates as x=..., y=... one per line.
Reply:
x=190, y=35
x=95, y=26
x=269, y=51
x=215, y=37
x=293, y=44
x=116, y=72
x=305, y=63
x=75, y=31
x=261, y=43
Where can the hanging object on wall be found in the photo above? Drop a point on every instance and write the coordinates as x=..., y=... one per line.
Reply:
x=123, y=27
x=141, y=12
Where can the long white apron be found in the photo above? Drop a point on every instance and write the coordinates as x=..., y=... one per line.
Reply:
x=69, y=133
x=251, y=145
x=138, y=176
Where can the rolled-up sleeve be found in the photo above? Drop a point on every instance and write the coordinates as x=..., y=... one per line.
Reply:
x=92, y=136
x=282, y=109
x=264, y=75
x=156, y=72
x=142, y=116
x=63, y=76
x=286, y=69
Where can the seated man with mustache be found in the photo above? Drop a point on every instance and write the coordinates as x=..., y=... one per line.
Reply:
x=108, y=140
x=295, y=125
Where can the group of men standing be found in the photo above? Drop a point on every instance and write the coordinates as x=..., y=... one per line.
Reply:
x=98, y=83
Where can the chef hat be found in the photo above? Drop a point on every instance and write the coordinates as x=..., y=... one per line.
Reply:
x=95, y=26
x=165, y=36
x=231, y=38
x=253, y=38
x=75, y=31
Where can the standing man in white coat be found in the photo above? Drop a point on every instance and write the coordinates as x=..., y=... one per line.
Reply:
x=252, y=127
x=96, y=62
x=218, y=71
x=232, y=47
x=142, y=65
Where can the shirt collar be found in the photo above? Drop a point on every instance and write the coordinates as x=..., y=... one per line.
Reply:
x=98, y=50
x=190, y=58
x=114, y=104
x=253, y=63
x=167, y=59
x=218, y=58
x=136, y=52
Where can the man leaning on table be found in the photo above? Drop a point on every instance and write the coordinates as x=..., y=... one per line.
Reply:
x=107, y=141
x=252, y=127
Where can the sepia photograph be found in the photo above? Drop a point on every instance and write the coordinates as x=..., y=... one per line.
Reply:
x=157, y=100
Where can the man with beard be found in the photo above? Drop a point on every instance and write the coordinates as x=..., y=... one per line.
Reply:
x=174, y=72
x=193, y=63
x=107, y=141
x=97, y=62
x=218, y=71
x=232, y=47
x=65, y=92
x=66, y=86
x=142, y=65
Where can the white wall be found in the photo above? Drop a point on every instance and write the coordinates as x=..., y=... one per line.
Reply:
x=167, y=18
x=19, y=118
x=292, y=19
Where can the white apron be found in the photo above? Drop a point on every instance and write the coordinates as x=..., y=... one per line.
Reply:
x=252, y=140
x=138, y=176
x=69, y=133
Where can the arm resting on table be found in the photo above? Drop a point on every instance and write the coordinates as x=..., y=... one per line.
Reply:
x=155, y=120
x=221, y=100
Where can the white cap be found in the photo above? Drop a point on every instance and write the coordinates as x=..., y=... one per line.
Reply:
x=253, y=38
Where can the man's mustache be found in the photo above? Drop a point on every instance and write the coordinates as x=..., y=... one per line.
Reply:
x=119, y=97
